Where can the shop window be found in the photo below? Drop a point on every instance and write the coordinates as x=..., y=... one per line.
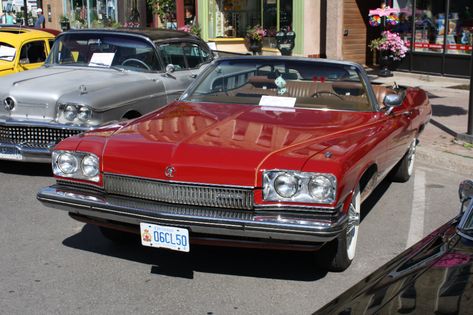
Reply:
x=432, y=34
x=460, y=30
x=232, y=18
x=95, y=13
x=429, y=26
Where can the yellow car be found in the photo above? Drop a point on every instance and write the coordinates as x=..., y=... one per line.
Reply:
x=23, y=49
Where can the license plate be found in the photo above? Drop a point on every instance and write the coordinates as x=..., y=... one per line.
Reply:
x=10, y=154
x=165, y=237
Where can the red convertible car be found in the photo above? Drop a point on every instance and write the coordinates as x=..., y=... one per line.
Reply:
x=258, y=151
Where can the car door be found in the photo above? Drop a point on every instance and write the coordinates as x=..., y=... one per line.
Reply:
x=401, y=133
x=33, y=54
x=187, y=59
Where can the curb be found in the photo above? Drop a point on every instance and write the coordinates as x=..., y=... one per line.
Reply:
x=445, y=160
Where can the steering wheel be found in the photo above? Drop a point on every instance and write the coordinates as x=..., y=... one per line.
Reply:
x=142, y=63
x=317, y=94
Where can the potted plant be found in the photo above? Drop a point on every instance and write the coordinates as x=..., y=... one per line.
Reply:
x=65, y=24
x=193, y=29
x=254, y=39
x=391, y=48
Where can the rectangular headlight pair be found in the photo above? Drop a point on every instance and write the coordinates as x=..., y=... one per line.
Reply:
x=294, y=186
x=76, y=165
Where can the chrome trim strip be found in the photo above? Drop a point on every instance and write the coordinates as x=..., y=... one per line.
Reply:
x=251, y=225
x=38, y=155
x=40, y=124
x=178, y=182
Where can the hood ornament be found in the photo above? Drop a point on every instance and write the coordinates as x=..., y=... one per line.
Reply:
x=9, y=103
x=82, y=89
x=169, y=171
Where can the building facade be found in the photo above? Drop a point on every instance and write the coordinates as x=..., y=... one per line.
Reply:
x=439, y=33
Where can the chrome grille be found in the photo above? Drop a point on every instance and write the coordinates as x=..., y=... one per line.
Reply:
x=186, y=194
x=34, y=136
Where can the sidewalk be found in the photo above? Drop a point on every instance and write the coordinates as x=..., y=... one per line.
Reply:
x=449, y=98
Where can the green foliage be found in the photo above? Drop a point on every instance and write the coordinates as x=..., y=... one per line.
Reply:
x=163, y=8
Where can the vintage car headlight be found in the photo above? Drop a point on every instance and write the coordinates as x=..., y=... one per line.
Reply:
x=294, y=186
x=67, y=163
x=321, y=188
x=90, y=166
x=84, y=113
x=70, y=112
x=77, y=165
x=286, y=185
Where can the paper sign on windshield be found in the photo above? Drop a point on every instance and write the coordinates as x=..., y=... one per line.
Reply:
x=101, y=59
x=7, y=53
x=278, y=101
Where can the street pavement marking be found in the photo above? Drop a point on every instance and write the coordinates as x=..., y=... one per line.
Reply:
x=416, y=224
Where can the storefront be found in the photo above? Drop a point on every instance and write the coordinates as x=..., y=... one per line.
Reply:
x=226, y=22
x=90, y=13
x=439, y=34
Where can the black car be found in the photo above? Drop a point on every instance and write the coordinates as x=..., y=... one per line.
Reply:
x=435, y=276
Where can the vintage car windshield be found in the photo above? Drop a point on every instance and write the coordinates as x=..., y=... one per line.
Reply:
x=7, y=52
x=104, y=50
x=283, y=82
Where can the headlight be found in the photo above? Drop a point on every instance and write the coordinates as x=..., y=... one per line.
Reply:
x=321, y=188
x=294, y=186
x=67, y=163
x=70, y=113
x=76, y=165
x=286, y=185
x=84, y=114
x=90, y=166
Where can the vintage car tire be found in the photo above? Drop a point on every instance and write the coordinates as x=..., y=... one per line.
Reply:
x=118, y=237
x=404, y=169
x=338, y=254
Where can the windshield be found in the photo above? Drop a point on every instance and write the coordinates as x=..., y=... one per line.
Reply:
x=283, y=83
x=7, y=52
x=104, y=50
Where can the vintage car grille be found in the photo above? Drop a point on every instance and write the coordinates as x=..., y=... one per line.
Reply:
x=34, y=136
x=187, y=194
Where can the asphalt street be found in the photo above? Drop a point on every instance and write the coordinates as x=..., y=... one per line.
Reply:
x=51, y=264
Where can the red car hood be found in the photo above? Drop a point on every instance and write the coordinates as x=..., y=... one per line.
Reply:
x=222, y=143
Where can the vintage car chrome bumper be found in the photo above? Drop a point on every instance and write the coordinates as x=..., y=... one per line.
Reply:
x=199, y=220
x=31, y=141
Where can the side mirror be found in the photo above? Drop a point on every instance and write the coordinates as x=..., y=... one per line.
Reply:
x=24, y=61
x=466, y=210
x=465, y=191
x=391, y=101
x=170, y=68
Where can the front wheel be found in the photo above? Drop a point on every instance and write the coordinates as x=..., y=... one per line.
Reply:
x=338, y=255
x=404, y=169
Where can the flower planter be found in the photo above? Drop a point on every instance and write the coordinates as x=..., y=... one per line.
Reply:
x=255, y=46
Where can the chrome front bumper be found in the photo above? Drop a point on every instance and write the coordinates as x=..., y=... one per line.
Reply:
x=30, y=141
x=200, y=220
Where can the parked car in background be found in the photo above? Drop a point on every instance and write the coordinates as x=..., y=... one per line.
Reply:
x=433, y=276
x=92, y=77
x=259, y=151
x=23, y=49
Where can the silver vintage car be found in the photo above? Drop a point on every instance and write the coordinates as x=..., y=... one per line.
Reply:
x=93, y=77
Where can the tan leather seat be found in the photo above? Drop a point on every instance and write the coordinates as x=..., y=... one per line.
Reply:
x=380, y=92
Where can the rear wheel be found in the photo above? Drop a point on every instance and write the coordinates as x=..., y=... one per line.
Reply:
x=338, y=255
x=117, y=236
x=404, y=169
